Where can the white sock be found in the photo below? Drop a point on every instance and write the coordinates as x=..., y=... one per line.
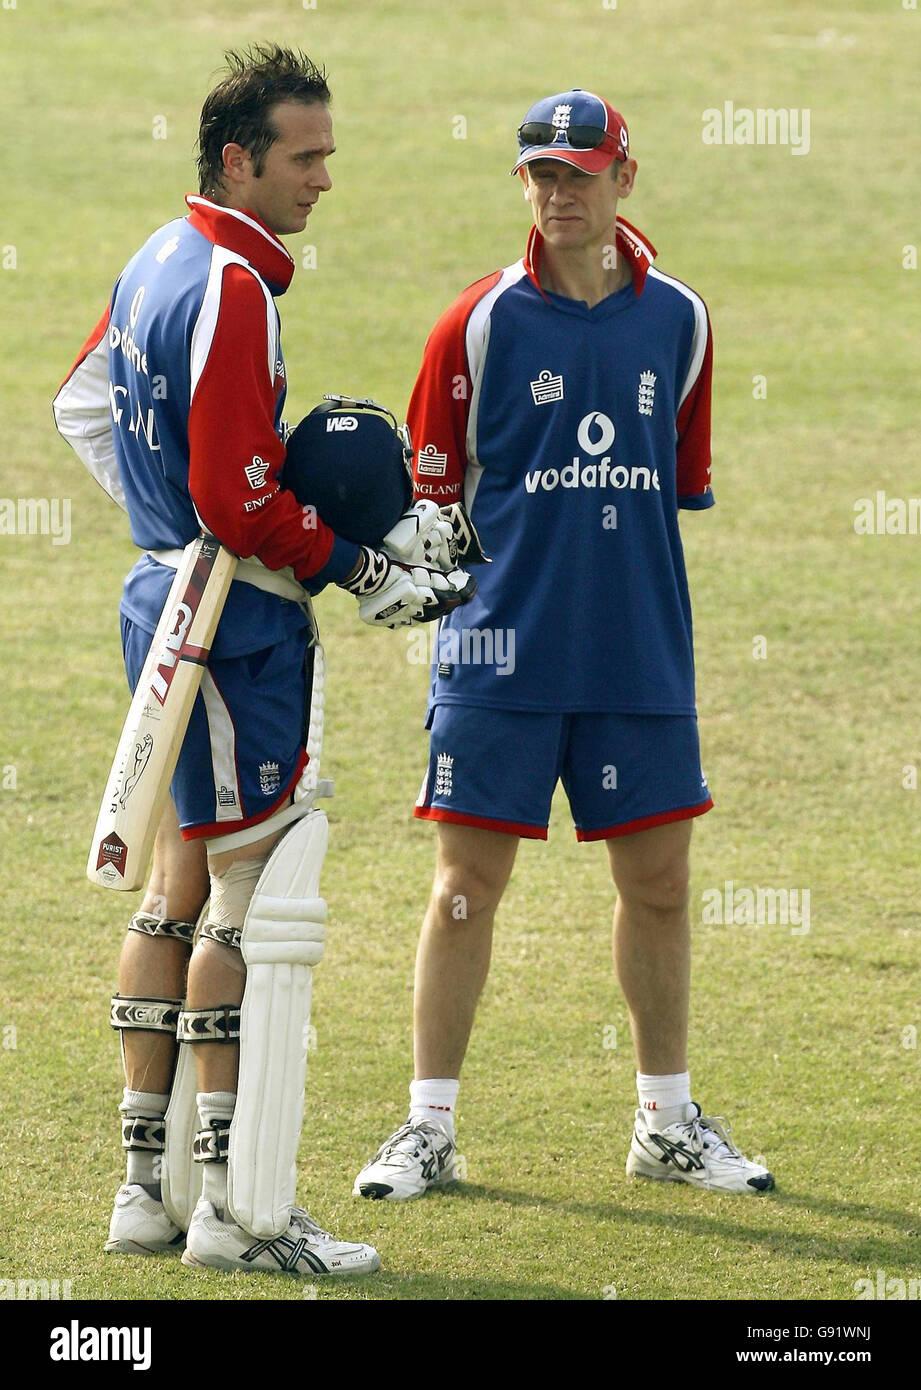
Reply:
x=144, y=1164
x=664, y=1099
x=434, y=1099
x=215, y=1106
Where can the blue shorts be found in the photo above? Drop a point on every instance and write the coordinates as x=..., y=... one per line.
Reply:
x=244, y=749
x=497, y=770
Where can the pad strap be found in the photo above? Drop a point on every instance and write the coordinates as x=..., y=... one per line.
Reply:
x=210, y=1025
x=212, y=1145
x=226, y=936
x=152, y=1015
x=149, y=925
x=138, y=1133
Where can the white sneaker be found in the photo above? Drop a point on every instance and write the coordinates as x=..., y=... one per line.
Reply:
x=304, y=1248
x=698, y=1151
x=418, y=1156
x=140, y=1225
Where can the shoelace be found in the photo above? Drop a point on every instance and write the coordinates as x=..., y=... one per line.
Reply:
x=305, y=1222
x=409, y=1139
x=714, y=1124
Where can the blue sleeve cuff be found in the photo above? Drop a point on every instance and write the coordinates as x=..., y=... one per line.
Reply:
x=342, y=560
x=698, y=502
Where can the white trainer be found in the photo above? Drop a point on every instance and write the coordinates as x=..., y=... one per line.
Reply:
x=304, y=1248
x=696, y=1150
x=140, y=1225
x=419, y=1155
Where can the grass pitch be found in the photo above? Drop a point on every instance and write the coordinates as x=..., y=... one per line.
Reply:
x=810, y=736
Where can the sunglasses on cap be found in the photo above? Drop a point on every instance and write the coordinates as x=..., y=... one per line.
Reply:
x=577, y=137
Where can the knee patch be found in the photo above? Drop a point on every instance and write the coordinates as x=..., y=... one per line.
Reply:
x=231, y=894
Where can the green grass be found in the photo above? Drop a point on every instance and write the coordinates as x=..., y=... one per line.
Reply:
x=798, y=1038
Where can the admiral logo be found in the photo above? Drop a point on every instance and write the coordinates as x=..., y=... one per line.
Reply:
x=547, y=388
x=431, y=463
x=226, y=797
x=255, y=472
x=341, y=422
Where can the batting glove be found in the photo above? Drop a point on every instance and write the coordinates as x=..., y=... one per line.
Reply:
x=464, y=544
x=392, y=595
x=434, y=536
x=421, y=537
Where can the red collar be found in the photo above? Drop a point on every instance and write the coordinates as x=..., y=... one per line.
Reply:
x=243, y=233
x=640, y=254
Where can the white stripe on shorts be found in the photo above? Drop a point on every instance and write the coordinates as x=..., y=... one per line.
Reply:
x=223, y=739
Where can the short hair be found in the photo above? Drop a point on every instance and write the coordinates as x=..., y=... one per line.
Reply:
x=237, y=110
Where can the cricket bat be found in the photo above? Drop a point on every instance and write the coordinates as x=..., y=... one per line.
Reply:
x=148, y=749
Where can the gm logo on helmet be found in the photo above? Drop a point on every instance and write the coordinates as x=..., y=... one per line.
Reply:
x=595, y=433
x=341, y=422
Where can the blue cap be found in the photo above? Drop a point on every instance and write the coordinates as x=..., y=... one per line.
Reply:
x=576, y=127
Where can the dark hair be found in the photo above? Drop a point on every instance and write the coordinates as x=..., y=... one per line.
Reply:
x=237, y=109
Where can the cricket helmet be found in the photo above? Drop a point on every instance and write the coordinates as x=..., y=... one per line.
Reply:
x=351, y=461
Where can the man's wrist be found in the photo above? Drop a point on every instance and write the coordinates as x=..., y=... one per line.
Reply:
x=343, y=563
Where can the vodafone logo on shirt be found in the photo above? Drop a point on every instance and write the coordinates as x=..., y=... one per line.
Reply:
x=595, y=433
x=595, y=437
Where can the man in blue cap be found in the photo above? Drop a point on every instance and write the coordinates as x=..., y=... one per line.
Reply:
x=566, y=400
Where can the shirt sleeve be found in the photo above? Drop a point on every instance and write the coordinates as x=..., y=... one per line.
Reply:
x=235, y=453
x=83, y=415
x=439, y=408
x=693, y=422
